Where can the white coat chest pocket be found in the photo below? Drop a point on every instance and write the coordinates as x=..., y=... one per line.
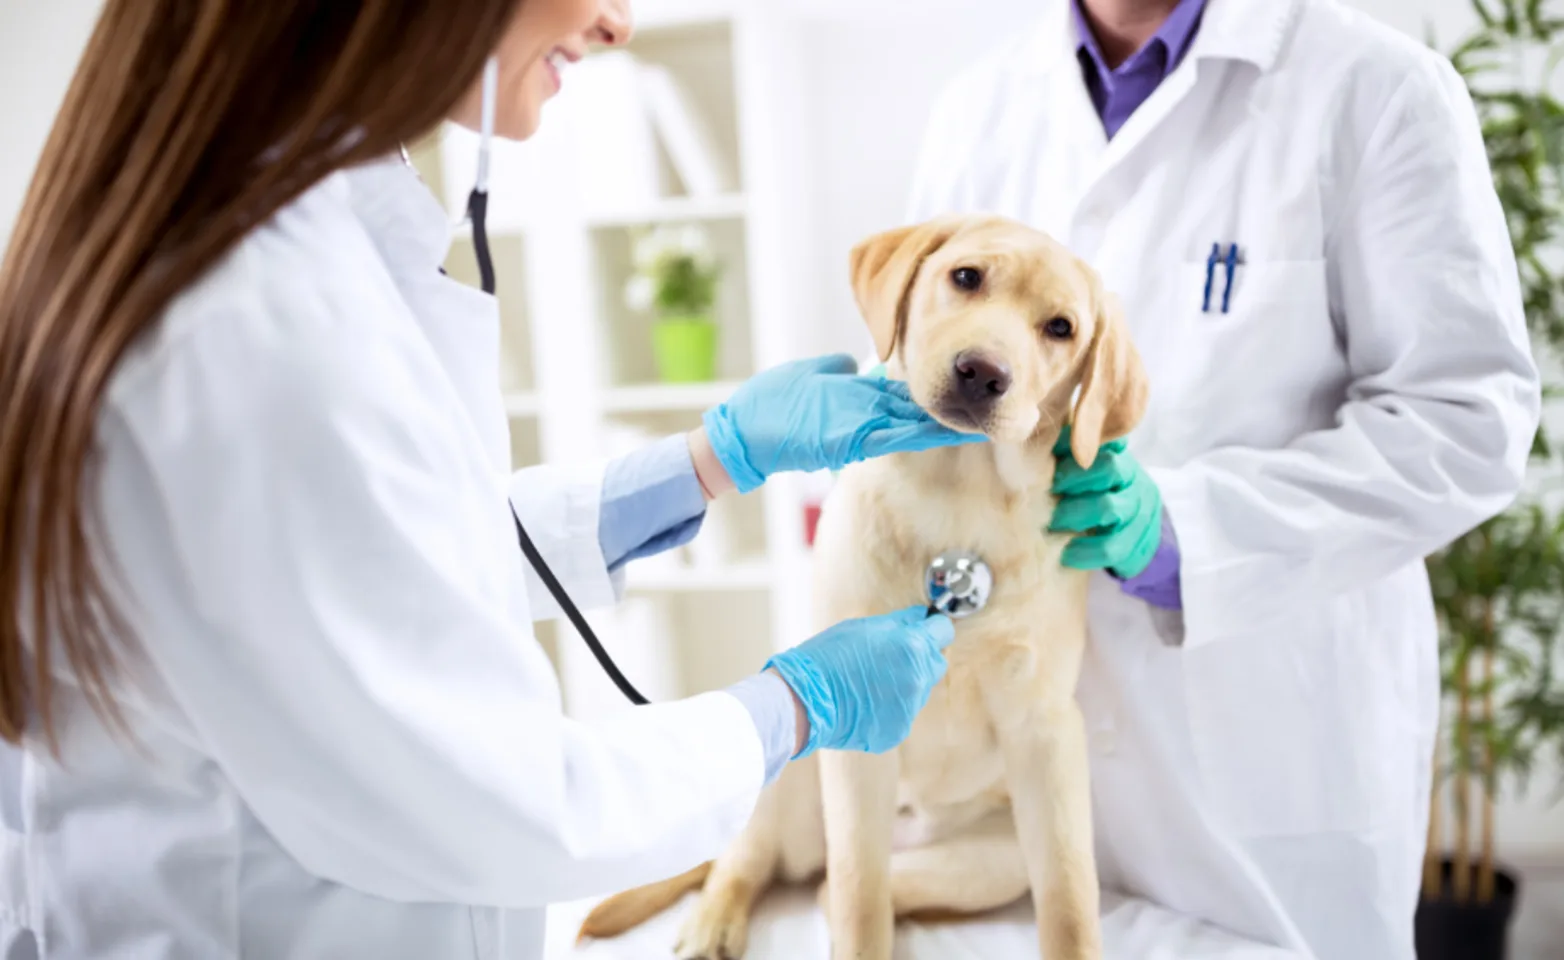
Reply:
x=1250, y=358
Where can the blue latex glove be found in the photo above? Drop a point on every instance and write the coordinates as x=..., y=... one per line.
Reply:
x=817, y=414
x=862, y=682
x=1113, y=507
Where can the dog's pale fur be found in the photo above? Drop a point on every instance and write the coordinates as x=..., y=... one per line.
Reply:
x=989, y=797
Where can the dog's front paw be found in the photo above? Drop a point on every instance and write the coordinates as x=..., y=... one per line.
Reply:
x=861, y=935
x=1072, y=938
x=717, y=929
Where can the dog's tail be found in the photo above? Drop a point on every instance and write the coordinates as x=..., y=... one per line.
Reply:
x=628, y=910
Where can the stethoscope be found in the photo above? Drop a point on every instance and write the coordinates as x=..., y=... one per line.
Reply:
x=477, y=217
x=957, y=583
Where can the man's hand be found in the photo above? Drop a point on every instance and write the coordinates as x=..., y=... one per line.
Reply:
x=1113, y=507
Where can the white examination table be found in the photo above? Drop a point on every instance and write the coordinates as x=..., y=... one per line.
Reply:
x=787, y=926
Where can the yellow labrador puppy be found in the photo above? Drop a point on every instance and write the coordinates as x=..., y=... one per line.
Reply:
x=996, y=328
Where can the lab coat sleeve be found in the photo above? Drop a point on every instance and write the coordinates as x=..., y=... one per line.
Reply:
x=1442, y=405
x=560, y=506
x=589, y=522
x=355, y=653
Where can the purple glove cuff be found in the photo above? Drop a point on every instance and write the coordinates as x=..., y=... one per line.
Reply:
x=1158, y=584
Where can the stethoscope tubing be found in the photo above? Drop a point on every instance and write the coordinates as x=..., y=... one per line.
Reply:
x=478, y=217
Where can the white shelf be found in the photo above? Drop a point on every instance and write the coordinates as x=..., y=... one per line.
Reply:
x=867, y=11
x=743, y=65
x=741, y=576
x=673, y=210
x=521, y=403
x=667, y=397
x=656, y=16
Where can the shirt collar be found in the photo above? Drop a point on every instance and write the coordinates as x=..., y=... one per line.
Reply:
x=1165, y=48
x=400, y=213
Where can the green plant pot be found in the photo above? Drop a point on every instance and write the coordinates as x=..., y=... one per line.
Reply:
x=685, y=349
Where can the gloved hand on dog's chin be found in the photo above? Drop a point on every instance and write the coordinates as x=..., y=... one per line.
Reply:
x=862, y=682
x=1113, y=507
x=818, y=414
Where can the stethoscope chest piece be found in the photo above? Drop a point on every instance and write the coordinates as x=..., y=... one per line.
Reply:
x=958, y=584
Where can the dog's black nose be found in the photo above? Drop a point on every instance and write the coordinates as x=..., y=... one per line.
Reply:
x=980, y=379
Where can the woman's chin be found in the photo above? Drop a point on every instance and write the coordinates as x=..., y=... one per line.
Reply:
x=521, y=123
x=518, y=132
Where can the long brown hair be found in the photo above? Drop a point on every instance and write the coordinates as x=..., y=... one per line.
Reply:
x=188, y=123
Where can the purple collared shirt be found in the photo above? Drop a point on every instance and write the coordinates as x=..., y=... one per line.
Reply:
x=1119, y=92
x=1159, y=584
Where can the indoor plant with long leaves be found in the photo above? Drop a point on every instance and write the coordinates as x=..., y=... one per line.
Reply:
x=1499, y=590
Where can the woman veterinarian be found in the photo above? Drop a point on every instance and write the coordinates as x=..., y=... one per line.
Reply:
x=1295, y=205
x=267, y=669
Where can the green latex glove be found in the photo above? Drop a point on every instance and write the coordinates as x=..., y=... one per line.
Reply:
x=1113, y=507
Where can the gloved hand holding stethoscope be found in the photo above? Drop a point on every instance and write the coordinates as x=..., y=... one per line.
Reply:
x=861, y=683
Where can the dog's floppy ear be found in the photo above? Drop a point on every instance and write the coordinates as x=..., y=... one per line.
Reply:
x=883, y=269
x=1113, y=390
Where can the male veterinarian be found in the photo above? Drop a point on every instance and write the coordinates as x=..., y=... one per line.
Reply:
x=1294, y=204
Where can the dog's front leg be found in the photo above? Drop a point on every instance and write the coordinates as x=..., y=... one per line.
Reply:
x=1050, y=789
x=859, y=791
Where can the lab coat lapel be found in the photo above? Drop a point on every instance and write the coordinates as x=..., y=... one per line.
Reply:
x=1071, y=141
x=460, y=323
x=1250, y=31
x=1162, y=103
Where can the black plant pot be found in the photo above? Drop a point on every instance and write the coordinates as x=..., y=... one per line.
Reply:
x=1447, y=930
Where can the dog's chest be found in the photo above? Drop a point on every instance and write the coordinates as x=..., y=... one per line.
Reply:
x=896, y=530
x=877, y=545
x=951, y=759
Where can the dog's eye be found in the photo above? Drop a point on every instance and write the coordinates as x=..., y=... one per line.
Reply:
x=967, y=278
x=1059, y=328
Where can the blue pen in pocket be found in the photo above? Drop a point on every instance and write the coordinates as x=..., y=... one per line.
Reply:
x=1232, y=270
x=1211, y=262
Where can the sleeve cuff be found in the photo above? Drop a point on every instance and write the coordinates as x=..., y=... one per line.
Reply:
x=1159, y=584
x=1225, y=593
x=652, y=502
x=770, y=705
x=560, y=508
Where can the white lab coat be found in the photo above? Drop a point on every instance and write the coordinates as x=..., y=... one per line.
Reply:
x=352, y=743
x=1263, y=760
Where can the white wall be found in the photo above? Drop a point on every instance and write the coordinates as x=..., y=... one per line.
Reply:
x=40, y=41
x=871, y=82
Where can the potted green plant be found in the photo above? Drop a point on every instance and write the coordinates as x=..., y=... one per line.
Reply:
x=675, y=279
x=1499, y=590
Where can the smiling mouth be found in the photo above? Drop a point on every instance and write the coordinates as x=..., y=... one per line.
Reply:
x=555, y=63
